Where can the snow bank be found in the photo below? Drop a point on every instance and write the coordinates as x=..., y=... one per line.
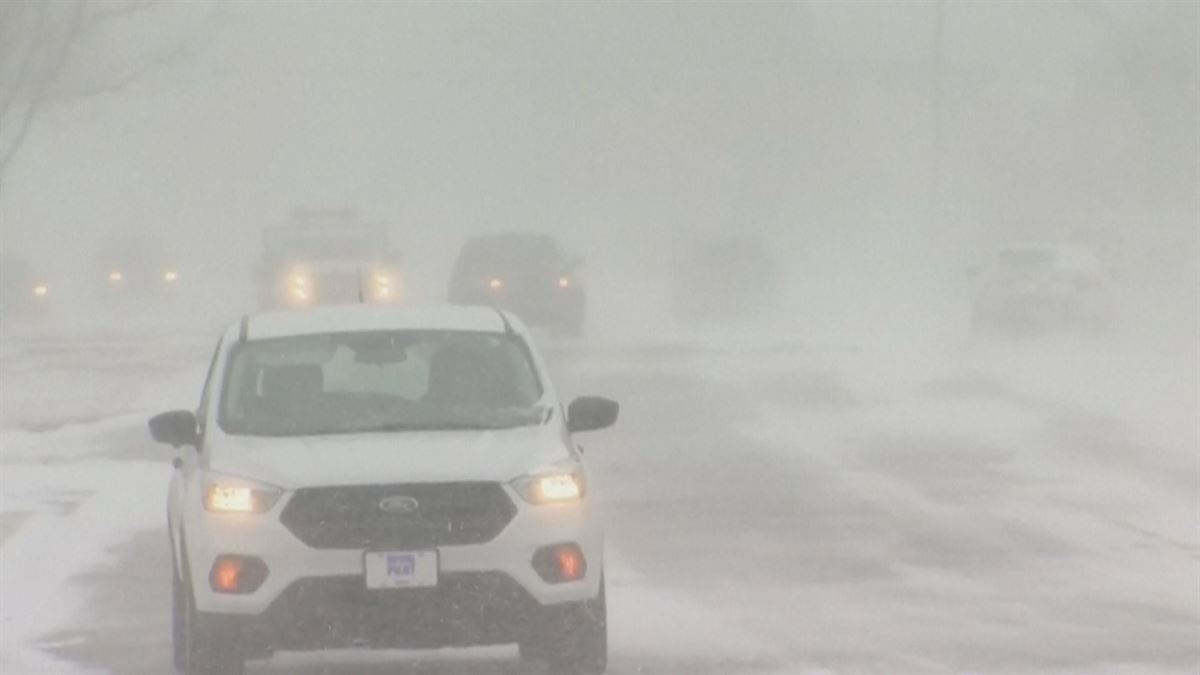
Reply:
x=64, y=511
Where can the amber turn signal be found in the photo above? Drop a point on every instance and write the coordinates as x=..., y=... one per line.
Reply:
x=560, y=563
x=237, y=574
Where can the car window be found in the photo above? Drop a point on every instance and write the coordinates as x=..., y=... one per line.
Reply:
x=206, y=391
x=378, y=381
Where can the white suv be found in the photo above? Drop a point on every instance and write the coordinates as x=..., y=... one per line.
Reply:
x=365, y=476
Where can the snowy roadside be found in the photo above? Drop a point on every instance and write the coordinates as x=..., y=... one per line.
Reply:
x=1048, y=492
x=73, y=513
x=75, y=481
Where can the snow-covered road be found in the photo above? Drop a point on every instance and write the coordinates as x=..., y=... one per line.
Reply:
x=771, y=508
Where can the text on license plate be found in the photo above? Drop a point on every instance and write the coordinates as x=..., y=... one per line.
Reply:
x=401, y=569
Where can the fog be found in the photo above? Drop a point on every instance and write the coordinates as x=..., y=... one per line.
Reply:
x=874, y=160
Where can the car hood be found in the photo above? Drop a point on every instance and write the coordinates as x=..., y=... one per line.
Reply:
x=402, y=457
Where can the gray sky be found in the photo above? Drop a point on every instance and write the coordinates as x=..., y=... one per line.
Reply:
x=634, y=120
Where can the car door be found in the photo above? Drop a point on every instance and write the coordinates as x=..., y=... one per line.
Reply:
x=187, y=463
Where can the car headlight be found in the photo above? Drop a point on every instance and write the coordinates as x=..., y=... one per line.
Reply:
x=41, y=290
x=386, y=286
x=561, y=483
x=227, y=494
x=170, y=276
x=299, y=288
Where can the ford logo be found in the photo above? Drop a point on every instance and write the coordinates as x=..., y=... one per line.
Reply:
x=399, y=505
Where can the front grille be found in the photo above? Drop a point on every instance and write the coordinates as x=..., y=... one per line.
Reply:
x=446, y=514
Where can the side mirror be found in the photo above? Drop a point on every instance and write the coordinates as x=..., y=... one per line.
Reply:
x=589, y=413
x=175, y=428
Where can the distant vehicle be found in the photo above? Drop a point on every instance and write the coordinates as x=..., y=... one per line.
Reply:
x=526, y=273
x=22, y=293
x=1040, y=286
x=725, y=278
x=324, y=257
x=400, y=478
x=135, y=267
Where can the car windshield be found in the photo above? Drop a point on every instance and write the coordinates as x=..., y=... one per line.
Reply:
x=380, y=381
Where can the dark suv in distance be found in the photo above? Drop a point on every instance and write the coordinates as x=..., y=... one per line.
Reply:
x=529, y=274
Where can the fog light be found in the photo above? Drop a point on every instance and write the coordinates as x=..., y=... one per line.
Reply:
x=560, y=563
x=237, y=574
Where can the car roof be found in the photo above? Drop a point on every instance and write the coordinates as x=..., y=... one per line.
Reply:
x=370, y=317
x=512, y=241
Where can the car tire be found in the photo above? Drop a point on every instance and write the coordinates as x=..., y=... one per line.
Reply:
x=574, y=642
x=208, y=647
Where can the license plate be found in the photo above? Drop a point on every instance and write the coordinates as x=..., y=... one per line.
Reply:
x=401, y=569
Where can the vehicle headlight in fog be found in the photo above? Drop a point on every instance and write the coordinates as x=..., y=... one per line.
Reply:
x=41, y=290
x=564, y=282
x=170, y=276
x=563, y=483
x=115, y=276
x=233, y=495
x=495, y=284
x=299, y=289
x=386, y=286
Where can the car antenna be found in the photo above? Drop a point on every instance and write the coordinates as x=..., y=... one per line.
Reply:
x=360, y=292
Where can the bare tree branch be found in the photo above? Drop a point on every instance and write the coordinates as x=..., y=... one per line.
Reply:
x=40, y=85
x=38, y=40
x=24, y=72
x=120, y=82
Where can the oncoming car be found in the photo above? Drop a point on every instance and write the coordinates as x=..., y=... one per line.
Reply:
x=366, y=476
x=327, y=257
x=135, y=268
x=529, y=274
